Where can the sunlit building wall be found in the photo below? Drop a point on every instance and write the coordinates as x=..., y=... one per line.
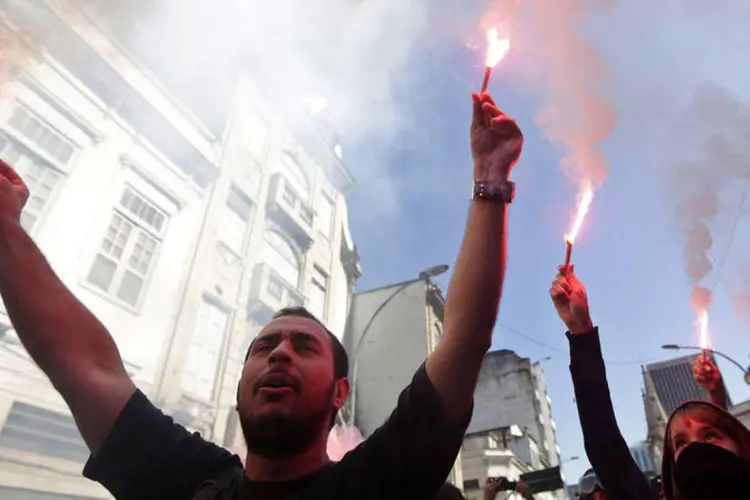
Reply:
x=280, y=238
x=181, y=240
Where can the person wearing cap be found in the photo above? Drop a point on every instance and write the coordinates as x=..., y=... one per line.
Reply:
x=589, y=487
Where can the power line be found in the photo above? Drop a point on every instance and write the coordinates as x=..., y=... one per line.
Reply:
x=559, y=350
x=731, y=234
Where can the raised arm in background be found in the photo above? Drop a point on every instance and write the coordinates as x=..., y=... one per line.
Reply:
x=709, y=377
x=474, y=292
x=67, y=342
x=606, y=449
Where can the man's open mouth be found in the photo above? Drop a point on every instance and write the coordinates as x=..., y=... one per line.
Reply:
x=277, y=382
x=275, y=385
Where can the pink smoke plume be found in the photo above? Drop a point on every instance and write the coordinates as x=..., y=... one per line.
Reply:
x=569, y=74
x=15, y=48
x=342, y=440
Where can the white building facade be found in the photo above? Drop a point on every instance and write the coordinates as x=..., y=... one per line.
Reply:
x=180, y=240
x=512, y=393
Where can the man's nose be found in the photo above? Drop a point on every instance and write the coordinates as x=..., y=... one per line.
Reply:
x=281, y=353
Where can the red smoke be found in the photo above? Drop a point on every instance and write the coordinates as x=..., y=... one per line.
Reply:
x=342, y=440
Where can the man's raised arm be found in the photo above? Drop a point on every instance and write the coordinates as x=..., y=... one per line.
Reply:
x=68, y=343
x=476, y=285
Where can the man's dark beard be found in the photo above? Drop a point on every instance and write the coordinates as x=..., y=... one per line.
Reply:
x=283, y=435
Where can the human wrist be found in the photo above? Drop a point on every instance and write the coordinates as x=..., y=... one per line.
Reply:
x=484, y=170
x=579, y=326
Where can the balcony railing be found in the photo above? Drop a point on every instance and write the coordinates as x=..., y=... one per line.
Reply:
x=287, y=208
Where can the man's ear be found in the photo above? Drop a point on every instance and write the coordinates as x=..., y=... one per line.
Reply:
x=340, y=392
x=237, y=403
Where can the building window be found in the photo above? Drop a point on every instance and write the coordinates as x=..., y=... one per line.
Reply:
x=37, y=430
x=202, y=363
x=289, y=195
x=318, y=292
x=49, y=141
x=234, y=220
x=492, y=443
x=326, y=214
x=296, y=175
x=280, y=255
x=275, y=287
x=471, y=484
x=128, y=249
x=40, y=177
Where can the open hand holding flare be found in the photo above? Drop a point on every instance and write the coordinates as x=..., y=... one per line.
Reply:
x=706, y=373
x=569, y=296
x=708, y=376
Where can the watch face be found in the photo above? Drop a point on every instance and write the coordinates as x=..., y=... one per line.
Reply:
x=496, y=191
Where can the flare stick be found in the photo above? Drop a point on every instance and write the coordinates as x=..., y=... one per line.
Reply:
x=568, y=251
x=486, y=79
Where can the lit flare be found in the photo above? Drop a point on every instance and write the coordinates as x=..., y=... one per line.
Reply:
x=586, y=197
x=497, y=48
x=703, y=329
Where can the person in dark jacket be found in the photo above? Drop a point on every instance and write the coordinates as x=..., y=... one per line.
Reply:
x=606, y=449
x=706, y=454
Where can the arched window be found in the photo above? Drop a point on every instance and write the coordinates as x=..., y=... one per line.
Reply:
x=296, y=175
x=279, y=254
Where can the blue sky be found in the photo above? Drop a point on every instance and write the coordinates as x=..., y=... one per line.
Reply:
x=629, y=252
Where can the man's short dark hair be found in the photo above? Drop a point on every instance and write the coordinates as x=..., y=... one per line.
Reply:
x=340, y=358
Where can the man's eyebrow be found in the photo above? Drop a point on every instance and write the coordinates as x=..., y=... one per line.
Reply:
x=266, y=338
x=305, y=336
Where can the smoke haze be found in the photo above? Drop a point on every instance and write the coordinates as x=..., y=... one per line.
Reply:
x=14, y=48
x=568, y=72
x=714, y=131
x=355, y=54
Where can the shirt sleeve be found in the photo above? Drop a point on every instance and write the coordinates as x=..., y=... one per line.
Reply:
x=412, y=453
x=147, y=455
x=606, y=449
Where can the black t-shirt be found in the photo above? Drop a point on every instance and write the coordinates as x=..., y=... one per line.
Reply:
x=148, y=456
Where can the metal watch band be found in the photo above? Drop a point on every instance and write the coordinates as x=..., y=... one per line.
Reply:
x=498, y=191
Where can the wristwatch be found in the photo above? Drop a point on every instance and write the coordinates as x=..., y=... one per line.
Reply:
x=498, y=191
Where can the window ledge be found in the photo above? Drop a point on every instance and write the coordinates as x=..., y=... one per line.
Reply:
x=83, y=283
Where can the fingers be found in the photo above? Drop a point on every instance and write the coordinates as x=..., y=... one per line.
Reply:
x=485, y=109
x=559, y=293
x=492, y=111
x=505, y=126
x=486, y=97
x=10, y=179
x=564, y=270
x=9, y=173
x=477, y=118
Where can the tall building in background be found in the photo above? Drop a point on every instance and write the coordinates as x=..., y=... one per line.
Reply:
x=512, y=415
x=181, y=231
x=642, y=457
x=390, y=333
x=667, y=384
